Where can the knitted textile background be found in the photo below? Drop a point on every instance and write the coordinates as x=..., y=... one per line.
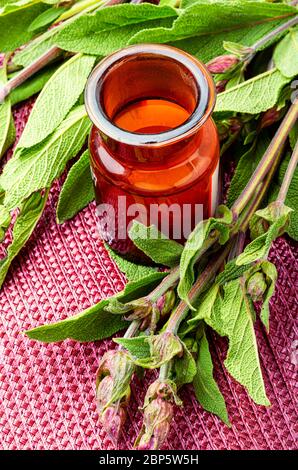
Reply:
x=47, y=391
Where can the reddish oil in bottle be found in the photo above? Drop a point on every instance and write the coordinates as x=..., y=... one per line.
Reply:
x=138, y=92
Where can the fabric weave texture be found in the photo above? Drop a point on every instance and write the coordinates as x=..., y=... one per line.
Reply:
x=47, y=390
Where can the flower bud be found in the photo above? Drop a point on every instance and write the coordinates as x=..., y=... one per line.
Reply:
x=222, y=63
x=270, y=117
x=164, y=347
x=256, y=286
x=113, y=390
x=221, y=85
x=157, y=420
x=166, y=302
x=158, y=414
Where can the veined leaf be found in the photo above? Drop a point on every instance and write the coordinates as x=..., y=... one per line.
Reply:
x=35, y=48
x=7, y=129
x=56, y=99
x=205, y=386
x=46, y=18
x=259, y=248
x=242, y=359
x=156, y=245
x=32, y=86
x=77, y=190
x=233, y=316
x=110, y=28
x=13, y=26
x=253, y=96
x=199, y=240
x=286, y=54
x=185, y=368
x=209, y=23
x=30, y=213
x=32, y=169
x=132, y=271
x=95, y=322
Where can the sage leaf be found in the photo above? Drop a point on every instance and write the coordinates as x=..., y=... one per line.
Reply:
x=111, y=28
x=259, y=248
x=231, y=272
x=138, y=347
x=14, y=24
x=155, y=244
x=5, y=219
x=233, y=316
x=253, y=96
x=198, y=242
x=242, y=360
x=95, y=322
x=162, y=348
x=209, y=310
x=132, y=271
x=37, y=47
x=77, y=190
x=7, y=129
x=286, y=54
x=32, y=169
x=58, y=96
x=185, y=368
x=202, y=28
x=31, y=86
x=46, y=18
x=29, y=214
x=206, y=389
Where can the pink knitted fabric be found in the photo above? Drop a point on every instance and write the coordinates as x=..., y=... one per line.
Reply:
x=47, y=391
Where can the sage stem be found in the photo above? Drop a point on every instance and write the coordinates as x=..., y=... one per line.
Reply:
x=288, y=176
x=205, y=277
x=275, y=32
x=267, y=160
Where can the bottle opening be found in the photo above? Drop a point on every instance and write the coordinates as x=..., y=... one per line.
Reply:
x=149, y=94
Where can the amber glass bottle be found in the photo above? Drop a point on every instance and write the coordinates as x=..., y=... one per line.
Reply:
x=154, y=147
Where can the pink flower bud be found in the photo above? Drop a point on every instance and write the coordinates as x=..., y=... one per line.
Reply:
x=221, y=86
x=112, y=420
x=166, y=302
x=270, y=117
x=222, y=63
x=158, y=415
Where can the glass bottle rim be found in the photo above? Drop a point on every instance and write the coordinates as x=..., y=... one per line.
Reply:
x=200, y=114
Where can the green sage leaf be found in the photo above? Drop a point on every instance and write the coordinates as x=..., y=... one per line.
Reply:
x=286, y=54
x=202, y=28
x=155, y=244
x=132, y=271
x=7, y=129
x=32, y=169
x=56, y=99
x=77, y=190
x=253, y=96
x=95, y=322
x=197, y=242
x=111, y=28
x=14, y=24
x=259, y=248
x=205, y=386
x=46, y=18
x=32, y=86
x=30, y=213
x=185, y=368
